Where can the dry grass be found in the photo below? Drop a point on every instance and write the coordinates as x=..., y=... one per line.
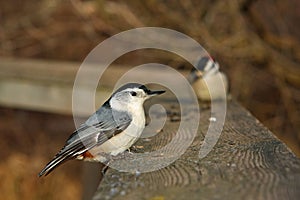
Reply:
x=28, y=141
x=19, y=180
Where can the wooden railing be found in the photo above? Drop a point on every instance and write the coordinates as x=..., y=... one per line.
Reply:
x=248, y=162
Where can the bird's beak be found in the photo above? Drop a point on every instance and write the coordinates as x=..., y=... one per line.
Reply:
x=154, y=93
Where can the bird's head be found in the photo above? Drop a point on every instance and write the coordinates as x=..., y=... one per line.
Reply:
x=131, y=95
x=206, y=66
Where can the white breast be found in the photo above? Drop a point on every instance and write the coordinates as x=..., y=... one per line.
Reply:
x=122, y=141
x=217, y=87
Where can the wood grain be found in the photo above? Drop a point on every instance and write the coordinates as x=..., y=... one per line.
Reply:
x=248, y=162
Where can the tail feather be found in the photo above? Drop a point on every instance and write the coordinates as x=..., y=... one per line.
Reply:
x=78, y=144
x=53, y=164
x=67, y=153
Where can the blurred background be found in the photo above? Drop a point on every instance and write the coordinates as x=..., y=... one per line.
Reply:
x=256, y=42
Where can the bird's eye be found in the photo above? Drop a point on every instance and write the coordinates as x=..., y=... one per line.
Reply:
x=133, y=94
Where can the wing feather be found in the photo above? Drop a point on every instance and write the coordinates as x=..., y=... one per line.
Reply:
x=99, y=128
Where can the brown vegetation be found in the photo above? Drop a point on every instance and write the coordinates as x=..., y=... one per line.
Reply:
x=257, y=43
x=28, y=141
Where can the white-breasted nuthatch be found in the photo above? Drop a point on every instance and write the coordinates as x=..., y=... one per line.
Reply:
x=111, y=130
x=207, y=73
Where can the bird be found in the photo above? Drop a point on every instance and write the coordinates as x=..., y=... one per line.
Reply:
x=207, y=73
x=111, y=130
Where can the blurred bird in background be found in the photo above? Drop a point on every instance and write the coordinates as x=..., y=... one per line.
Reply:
x=207, y=81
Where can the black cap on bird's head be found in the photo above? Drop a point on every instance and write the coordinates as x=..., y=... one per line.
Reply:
x=151, y=92
x=140, y=86
x=203, y=62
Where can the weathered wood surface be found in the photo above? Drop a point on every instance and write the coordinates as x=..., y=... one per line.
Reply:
x=248, y=162
x=40, y=85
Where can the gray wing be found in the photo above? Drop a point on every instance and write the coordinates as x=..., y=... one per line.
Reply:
x=100, y=127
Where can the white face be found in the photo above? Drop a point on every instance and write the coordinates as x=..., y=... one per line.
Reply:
x=128, y=98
